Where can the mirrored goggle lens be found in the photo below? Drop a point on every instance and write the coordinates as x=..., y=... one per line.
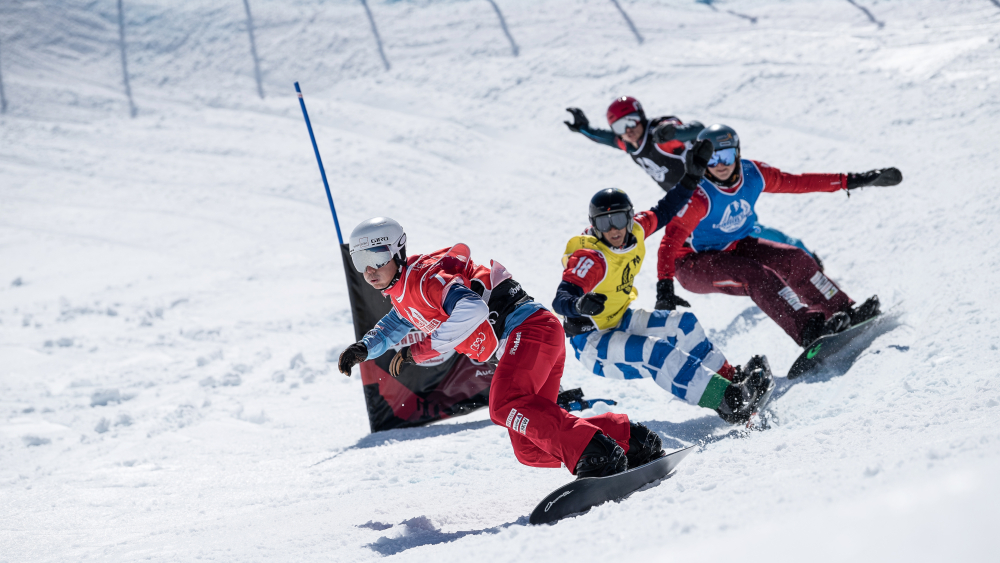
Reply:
x=375, y=257
x=627, y=122
x=725, y=157
x=617, y=220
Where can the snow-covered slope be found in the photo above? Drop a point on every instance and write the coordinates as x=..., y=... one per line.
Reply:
x=171, y=293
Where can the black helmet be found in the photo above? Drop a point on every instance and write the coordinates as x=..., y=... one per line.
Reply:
x=611, y=201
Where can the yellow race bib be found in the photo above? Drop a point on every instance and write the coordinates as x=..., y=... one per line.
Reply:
x=622, y=267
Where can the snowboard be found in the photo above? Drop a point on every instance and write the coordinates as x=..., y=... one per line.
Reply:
x=837, y=347
x=583, y=494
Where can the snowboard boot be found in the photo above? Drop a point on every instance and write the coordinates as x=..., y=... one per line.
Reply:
x=861, y=313
x=741, y=400
x=644, y=445
x=602, y=457
x=818, y=326
x=739, y=375
x=566, y=398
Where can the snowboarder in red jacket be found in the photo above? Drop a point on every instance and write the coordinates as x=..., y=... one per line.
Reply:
x=709, y=249
x=483, y=313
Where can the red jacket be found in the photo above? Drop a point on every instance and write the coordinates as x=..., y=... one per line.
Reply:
x=775, y=181
x=433, y=295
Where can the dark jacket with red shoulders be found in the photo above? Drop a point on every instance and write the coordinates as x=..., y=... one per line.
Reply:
x=663, y=162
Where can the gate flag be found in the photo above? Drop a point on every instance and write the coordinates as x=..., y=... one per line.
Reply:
x=450, y=386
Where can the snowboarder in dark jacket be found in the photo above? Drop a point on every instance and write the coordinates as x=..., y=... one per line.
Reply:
x=658, y=145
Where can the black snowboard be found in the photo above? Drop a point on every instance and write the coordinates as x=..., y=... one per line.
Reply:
x=843, y=346
x=583, y=494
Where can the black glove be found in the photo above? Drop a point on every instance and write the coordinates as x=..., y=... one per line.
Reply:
x=878, y=178
x=579, y=120
x=665, y=298
x=696, y=163
x=401, y=358
x=664, y=132
x=697, y=158
x=591, y=304
x=574, y=326
x=353, y=355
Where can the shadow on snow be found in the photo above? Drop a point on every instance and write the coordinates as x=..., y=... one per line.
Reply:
x=406, y=434
x=420, y=531
x=749, y=318
x=841, y=362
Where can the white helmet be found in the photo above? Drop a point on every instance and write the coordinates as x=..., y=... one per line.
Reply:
x=377, y=241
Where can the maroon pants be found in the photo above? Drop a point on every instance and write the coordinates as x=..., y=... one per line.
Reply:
x=784, y=281
x=523, y=398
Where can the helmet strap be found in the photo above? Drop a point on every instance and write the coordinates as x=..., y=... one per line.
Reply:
x=400, y=261
x=598, y=235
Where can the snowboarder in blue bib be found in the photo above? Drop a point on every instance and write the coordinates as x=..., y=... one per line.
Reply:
x=709, y=247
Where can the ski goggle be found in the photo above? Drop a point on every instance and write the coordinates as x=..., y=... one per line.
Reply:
x=616, y=220
x=374, y=257
x=725, y=157
x=627, y=122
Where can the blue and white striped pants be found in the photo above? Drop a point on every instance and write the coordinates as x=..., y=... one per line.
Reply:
x=668, y=346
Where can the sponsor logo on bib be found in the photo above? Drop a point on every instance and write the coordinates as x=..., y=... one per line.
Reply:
x=734, y=217
x=423, y=324
x=627, y=276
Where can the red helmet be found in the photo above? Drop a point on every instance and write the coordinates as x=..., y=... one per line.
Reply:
x=623, y=106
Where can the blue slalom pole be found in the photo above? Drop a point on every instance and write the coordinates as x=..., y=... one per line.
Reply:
x=319, y=160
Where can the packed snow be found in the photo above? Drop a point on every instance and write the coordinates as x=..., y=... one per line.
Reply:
x=172, y=297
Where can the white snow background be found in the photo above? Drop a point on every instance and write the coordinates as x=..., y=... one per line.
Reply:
x=172, y=297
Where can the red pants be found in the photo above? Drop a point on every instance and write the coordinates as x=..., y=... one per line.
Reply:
x=784, y=281
x=523, y=398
